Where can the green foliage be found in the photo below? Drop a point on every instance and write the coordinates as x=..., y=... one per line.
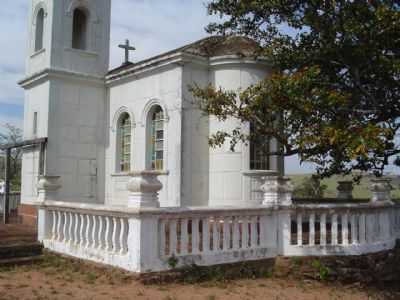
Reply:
x=310, y=187
x=10, y=134
x=172, y=262
x=323, y=271
x=333, y=98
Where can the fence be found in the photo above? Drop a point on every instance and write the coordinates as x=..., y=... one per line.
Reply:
x=155, y=239
x=15, y=201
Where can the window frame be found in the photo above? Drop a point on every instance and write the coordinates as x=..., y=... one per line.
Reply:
x=124, y=143
x=156, y=139
x=80, y=40
x=258, y=160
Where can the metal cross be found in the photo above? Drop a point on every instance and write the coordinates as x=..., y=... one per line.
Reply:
x=127, y=48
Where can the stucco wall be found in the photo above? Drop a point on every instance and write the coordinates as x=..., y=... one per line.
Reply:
x=137, y=95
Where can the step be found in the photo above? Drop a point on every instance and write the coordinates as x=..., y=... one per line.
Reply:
x=20, y=261
x=20, y=250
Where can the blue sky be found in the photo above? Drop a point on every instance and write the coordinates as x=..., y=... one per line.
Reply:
x=153, y=26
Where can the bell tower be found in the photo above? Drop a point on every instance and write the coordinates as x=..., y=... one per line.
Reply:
x=65, y=96
x=69, y=35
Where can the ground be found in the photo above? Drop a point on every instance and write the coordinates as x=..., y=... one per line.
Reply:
x=63, y=278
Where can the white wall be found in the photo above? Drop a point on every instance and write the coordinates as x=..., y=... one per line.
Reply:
x=136, y=96
x=57, y=52
x=36, y=100
x=228, y=185
x=70, y=98
x=76, y=140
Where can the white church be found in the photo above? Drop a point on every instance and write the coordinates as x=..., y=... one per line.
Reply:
x=101, y=125
x=110, y=140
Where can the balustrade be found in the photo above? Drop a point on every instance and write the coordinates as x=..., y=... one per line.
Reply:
x=144, y=240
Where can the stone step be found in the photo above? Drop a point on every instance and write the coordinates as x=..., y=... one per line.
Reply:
x=19, y=261
x=20, y=250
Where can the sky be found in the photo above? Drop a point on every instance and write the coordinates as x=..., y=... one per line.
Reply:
x=152, y=26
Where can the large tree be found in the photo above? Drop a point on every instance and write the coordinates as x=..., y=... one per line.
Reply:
x=335, y=84
x=10, y=134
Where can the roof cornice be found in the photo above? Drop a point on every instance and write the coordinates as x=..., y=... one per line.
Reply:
x=49, y=73
x=181, y=58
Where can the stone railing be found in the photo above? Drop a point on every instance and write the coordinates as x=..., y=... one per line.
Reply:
x=339, y=229
x=143, y=237
x=150, y=239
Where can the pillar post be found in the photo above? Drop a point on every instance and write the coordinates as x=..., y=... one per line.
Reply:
x=345, y=189
x=277, y=190
x=143, y=189
x=381, y=190
x=48, y=187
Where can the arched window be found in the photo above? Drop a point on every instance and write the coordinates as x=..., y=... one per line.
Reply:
x=79, y=29
x=39, y=29
x=155, y=139
x=259, y=148
x=124, y=143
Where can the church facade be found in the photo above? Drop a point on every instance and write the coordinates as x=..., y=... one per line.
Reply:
x=103, y=124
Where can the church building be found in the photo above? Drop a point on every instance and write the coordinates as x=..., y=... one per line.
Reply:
x=101, y=125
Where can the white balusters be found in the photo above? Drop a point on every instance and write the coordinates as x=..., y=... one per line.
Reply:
x=123, y=236
x=76, y=229
x=54, y=226
x=253, y=232
x=334, y=229
x=173, y=238
x=226, y=234
x=184, y=237
x=323, y=239
x=108, y=234
x=87, y=231
x=94, y=231
x=215, y=234
x=81, y=231
x=362, y=232
x=206, y=235
x=236, y=234
x=345, y=229
x=312, y=230
x=299, y=229
x=162, y=237
x=195, y=236
x=245, y=233
x=354, y=229
x=100, y=234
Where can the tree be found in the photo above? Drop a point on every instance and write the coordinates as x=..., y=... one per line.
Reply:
x=12, y=135
x=333, y=96
x=310, y=187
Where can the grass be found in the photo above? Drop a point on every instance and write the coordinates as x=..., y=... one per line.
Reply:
x=361, y=191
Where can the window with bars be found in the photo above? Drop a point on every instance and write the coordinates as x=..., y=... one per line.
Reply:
x=124, y=139
x=157, y=139
x=259, y=148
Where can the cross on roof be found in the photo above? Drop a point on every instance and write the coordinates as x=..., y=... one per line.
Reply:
x=127, y=48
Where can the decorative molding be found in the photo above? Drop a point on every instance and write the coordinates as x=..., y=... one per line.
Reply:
x=149, y=106
x=117, y=115
x=85, y=5
x=38, y=7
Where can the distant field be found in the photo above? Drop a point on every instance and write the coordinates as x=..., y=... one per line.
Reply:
x=360, y=191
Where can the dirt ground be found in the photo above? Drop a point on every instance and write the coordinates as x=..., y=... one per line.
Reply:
x=63, y=278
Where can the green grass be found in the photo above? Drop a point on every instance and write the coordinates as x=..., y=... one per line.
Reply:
x=361, y=191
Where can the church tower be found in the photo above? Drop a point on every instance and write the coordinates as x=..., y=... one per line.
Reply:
x=65, y=96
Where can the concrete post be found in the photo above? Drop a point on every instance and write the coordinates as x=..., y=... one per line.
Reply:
x=143, y=189
x=345, y=189
x=277, y=190
x=48, y=187
x=381, y=190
